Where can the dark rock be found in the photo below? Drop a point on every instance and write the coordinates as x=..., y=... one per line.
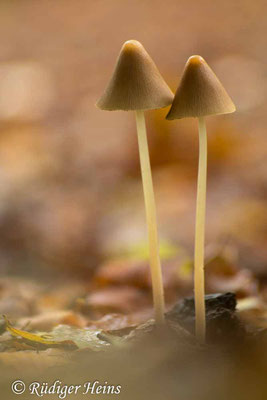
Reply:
x=221, y=319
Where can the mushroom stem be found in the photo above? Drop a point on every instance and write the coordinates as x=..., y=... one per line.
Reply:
x=200, y=324
x=157, y=286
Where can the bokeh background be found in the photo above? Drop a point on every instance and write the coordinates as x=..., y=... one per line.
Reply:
x=71, y=201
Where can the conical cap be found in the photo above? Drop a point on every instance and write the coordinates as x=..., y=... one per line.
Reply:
x=200, y=92
x=136, y=83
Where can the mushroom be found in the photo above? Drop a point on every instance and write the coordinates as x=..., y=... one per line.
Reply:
x=137, y=85
x=200, y=94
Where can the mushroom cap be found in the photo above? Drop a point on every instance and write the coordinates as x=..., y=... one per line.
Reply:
x=136, y=83
x=200, y=92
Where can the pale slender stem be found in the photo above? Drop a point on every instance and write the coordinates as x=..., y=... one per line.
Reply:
x=199, y=281
x=156, y=274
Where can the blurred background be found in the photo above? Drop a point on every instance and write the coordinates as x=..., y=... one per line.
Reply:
x=71, y=201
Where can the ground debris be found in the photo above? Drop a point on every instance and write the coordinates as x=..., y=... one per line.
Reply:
x=222, y=321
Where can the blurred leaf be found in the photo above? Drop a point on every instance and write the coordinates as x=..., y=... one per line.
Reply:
x=140, y=251
x=186, y=268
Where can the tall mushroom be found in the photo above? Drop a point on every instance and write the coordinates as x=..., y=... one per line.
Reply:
x=200, y=94
x=136, y=84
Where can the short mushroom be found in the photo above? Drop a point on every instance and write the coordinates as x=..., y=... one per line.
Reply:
x=200, y=94
x=136, y=84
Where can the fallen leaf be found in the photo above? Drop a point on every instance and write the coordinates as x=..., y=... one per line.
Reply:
x=83, y=338
x=38, y=339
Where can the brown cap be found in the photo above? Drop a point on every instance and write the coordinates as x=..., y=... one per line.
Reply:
x=200, y=92
x=136, y=83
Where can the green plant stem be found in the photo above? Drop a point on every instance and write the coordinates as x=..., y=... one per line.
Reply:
x=156, y=274
x=199, y=281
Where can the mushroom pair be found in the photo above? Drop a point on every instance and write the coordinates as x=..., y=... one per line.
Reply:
x=137, y=85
